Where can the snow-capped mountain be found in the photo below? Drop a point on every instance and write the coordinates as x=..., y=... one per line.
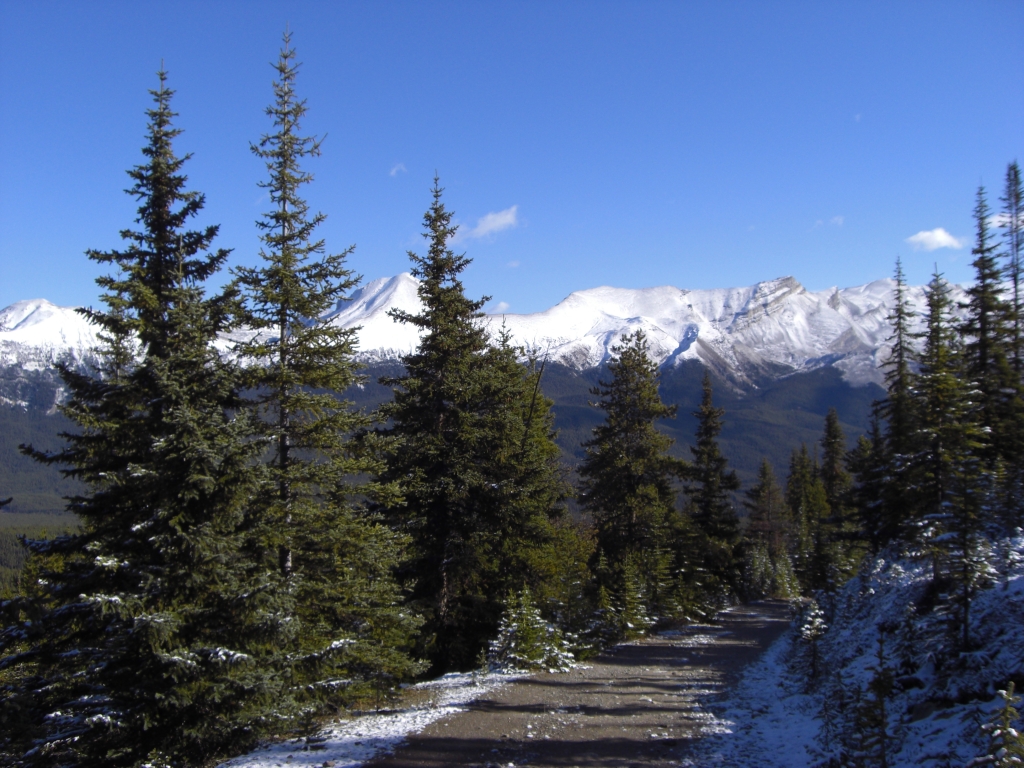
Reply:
x=769, y=329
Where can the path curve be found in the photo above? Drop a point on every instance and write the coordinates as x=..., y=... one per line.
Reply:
x=637, y=705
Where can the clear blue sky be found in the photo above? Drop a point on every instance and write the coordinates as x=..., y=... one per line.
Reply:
x=697, y=144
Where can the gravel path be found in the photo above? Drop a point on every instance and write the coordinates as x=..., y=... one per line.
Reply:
x=638, y=705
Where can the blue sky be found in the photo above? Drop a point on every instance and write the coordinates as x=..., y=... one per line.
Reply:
x=697, y=144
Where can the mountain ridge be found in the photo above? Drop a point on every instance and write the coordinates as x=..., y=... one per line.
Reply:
x=745, y=335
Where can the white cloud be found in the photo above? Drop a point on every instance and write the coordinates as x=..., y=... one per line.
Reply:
x=397, y=169
x=837, y=220
x=934, y=239
x=493, y=223
x=500, y=308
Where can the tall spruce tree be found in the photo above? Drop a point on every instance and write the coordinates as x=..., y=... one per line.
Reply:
x=708, y=487
x=897, y=410
x=333, y=560
x=1011, y=470
x=473, y=455
x=151, y=639
x=627, y=476
x=949, y=471
x=1013, y=233
x=985, y=335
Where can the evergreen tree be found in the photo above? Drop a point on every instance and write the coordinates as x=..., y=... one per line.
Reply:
x=951, y=479
x=151, y=638
x=805, y=496
x=627, y=475
x=708, y=486
x=472, y=453
x=768, y=569
x=986, y=333
x=332, y=558
x=874, y=747
x=836, y=545
x=1011, y=472
x=1013, y=226
x=870, y=494
x=892, y=510
x=527, y=642
x=1005, y=741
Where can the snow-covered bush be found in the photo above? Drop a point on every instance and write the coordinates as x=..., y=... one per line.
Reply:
x=527, y=642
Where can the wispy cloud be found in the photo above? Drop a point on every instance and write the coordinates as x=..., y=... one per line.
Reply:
x=933, y=239
x=495, y=222
x=397, y=168
x=836, y=220
x=500, y=308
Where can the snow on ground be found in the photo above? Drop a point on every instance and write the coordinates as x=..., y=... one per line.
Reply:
x=775, y=717
x=350, y=743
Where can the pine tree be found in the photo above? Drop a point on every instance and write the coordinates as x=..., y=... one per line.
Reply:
x=768, y=569
x=986, y=333
x=473, y=455
x=1011, y=480
x=708, y=486
x=1013, y=226
x=626, y=477
x=812, y=629
x=1005, y=741
x=837, y=546
x=870, y=464
x=954, y=486
x=805, y=496
x=874, y=748
x=891, y=458
x=152, y=639
x=527, y=642
x=333, y=559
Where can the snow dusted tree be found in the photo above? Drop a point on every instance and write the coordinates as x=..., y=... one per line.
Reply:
x=526, y=641
x=150, y=636
x=768, y=570
x=332, y=559
x=1005, y=740
x=812, y=629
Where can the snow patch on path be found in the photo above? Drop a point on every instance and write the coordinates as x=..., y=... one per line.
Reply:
x=350, y=743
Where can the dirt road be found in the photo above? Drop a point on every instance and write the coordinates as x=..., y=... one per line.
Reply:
x=636, y=706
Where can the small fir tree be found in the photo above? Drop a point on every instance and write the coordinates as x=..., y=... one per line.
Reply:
x=1005, y=739
x=527, y=642
x=812, y=629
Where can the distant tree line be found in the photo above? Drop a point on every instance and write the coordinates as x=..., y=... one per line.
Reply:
x=255, y=553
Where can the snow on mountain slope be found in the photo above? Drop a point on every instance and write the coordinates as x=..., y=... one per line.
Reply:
x=769, y=329
x=35, y=333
